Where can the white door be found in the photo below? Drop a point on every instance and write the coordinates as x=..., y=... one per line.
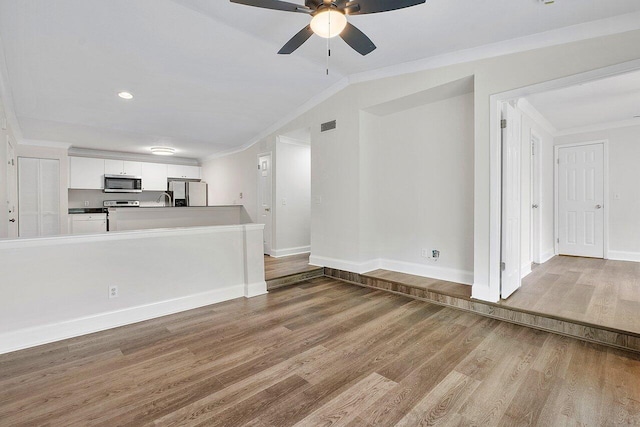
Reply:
x=536, y=146
x=38, y=197
x=581, y=200
x=12, y=190
x=511, y=140
x=264, y=199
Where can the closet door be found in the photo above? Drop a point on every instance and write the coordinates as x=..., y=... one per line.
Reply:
x=38, y=197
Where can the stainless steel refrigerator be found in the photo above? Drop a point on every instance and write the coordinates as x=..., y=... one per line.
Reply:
x=189, y=193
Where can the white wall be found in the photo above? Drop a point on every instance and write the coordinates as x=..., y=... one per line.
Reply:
x=624, y=181
x=292, y=197
x=56, y=288
x=419, y=188
x=230, y=175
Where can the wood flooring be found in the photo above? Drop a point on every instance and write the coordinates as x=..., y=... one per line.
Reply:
x=321, y=352
x=598, y=291
x=276, y=268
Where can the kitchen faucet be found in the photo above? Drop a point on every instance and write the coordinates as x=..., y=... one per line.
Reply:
x=162, y=196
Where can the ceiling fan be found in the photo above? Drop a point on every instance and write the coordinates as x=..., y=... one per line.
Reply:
x=329, y=19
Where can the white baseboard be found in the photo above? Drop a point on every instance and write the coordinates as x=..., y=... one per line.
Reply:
x=255, y=289
x=277, y=253
x=352, y=266
x=432, y=271
x=624, y=256
x=547, y=255
x=31, y=337
x=525, y=270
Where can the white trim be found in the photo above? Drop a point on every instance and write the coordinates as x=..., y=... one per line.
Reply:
x=279, y=253
x=605, y=202
x=117, y=155
x=123, y=235
x=547, y=255
x=484, y=293
x=271, y=180
x=431, y=271
x=254, y=289
x=352, y=266
x=525, y=270
x=45, y=143
x=525, y=106
x=600, y=127
x=30, y=337
x=624, y=256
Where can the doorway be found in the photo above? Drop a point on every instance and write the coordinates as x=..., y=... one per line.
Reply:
x=265, y=194
x=12, y=190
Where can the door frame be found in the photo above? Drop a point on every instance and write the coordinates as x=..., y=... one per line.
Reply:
x=536, y=196
x=271, y=177
x=556, y=203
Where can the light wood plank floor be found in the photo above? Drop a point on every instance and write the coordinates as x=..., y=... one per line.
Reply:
x=321, y=352
x=598, y=291
x=285, y=266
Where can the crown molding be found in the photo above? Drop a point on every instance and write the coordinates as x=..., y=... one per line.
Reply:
x=44, y=143
x=599, y=127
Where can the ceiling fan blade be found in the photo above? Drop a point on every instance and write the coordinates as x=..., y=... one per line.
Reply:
x=275, y=5
x=357, y=40
x=361, y=7
x=296, y=41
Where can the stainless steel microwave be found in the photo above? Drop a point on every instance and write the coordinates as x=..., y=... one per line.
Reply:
x=122, y=184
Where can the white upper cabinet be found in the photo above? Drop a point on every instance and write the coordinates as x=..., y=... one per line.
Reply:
x=86, y=173
x=154, y=177
x=120, y=167
x=181, y=171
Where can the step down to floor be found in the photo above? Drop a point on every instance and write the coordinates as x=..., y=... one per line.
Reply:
x=294, y=278
x=575, y=329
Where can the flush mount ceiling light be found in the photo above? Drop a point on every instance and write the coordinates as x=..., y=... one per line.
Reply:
x=163, y=151
x=125, y=95
x=329, y=19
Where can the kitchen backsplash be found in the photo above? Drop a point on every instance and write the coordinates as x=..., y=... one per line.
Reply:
x=77, y=198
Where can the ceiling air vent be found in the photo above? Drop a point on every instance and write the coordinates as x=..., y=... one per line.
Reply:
x=328, y=126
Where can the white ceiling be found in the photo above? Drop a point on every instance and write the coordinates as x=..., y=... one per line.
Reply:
x=205, y=73
x=613, y=100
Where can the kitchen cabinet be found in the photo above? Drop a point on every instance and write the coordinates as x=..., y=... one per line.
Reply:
x=154, y=177
x=86, y=173
x=87, y=223
x=183, y=171
x=120, y=167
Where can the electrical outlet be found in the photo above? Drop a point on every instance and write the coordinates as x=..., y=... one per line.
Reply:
x=435, y=254
x=241, y=195
x=284, y=202
x=86, y=203
x=113, y=291
x=424, y=253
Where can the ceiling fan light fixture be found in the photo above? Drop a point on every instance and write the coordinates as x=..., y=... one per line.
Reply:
x=328, y=23
x=125, y=95
x=163, y=151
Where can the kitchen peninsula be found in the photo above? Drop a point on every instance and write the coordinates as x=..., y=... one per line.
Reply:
x=123, y=219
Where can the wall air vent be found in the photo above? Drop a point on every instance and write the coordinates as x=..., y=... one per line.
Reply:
x=328, y=126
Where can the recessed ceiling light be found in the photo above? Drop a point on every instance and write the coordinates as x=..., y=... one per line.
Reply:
x=163, y=151
x=125, y=95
